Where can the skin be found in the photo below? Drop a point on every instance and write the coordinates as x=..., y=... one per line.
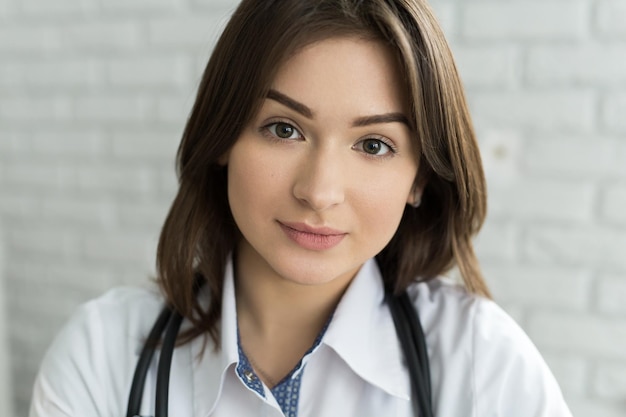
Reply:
x=314, y=156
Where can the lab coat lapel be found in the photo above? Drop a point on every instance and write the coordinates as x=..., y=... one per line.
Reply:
x=362, y=333
x=212, y=367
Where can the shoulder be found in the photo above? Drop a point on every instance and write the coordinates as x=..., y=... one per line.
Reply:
x=124, y=313
x=100, y=342
x=442, y=303
x=475, y=341
x=449, y=304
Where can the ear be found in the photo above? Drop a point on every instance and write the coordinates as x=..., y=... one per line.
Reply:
x=414, y=198
x=223, y=160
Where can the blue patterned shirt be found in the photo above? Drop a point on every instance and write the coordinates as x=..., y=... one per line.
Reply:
x=287, y=391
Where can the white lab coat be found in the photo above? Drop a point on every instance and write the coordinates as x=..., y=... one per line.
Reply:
x=482, y=363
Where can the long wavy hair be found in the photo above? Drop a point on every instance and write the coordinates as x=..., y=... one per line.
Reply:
x=200, y=233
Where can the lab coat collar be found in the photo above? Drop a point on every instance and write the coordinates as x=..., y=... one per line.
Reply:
x=213, y=366
x=361, y=332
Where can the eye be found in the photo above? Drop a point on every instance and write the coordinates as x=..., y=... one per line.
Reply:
x=283, y=130
x=375, y=147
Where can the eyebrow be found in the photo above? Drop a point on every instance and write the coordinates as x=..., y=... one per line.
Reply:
x=291, y=103
x=381, y=118
x=393, y=117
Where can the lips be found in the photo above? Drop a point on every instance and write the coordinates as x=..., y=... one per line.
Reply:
x=312, y=238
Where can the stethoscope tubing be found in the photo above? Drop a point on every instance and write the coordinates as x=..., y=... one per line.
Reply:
x=405, y=318
x=165, y=365
x=141, y=370
x=412, y=340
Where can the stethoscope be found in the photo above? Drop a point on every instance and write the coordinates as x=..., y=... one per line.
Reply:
x=408, y=329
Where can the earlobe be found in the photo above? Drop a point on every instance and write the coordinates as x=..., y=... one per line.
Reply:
x=223, y=160
x=415, y=196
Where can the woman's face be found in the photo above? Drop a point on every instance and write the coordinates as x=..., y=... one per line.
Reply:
x=319, y=179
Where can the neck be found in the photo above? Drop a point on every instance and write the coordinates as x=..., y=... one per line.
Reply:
x=270, y=304
x=279, y=318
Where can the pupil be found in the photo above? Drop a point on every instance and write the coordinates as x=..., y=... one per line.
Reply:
x=284, y=130
x=372, y=146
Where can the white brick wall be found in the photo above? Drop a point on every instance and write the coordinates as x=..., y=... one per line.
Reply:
x=524, y=20
x=6, y=391
x=94, y=94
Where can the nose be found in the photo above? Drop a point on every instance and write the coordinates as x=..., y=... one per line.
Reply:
x=319, y=183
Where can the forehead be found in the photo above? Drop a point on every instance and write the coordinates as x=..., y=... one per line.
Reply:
x=363, y=74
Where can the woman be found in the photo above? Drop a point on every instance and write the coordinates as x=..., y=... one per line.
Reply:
x=329, y=156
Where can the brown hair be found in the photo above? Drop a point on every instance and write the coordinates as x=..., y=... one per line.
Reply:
x=200, y=233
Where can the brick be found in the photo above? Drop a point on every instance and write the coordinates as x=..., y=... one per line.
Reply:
x=37, y=175
x=215, y=4
x=29, y=109
x=6, y=8
x=142, y=6
x=497, y=241
x=112, y=108
x=143, y=216
x=516, y=311
x=548, y=110
x=614, y=203
x=168, y=184
x=609, y=381
x=47, y=297
x=10, y=75
x=45, y=241
x=611, y=295
x=614, y=110
x=79, y=212
x=487, y=66
x=22, y=399
x=150, y=72
x=12, y=142
x=525, y=20
x=136, y=276
x=57, y=7
x=610, y=17
x=576, y=246
x=575, y=157
x=540, y=286
x=200, y=64
x=445, y=13
x=123, y=248
x=583, y=406
x=175, y=110
x=19, y=205
x=570, y=371
x=22, y=381
x=161, y=145
x=102, y=36
x=579, y=334
x=186, y=31
x=542, y=199
x=123, y=180
x=61, y=73
x=29, y=39
x=60, y=274
x=68, y=144
x=589, y=64
x=500, y=151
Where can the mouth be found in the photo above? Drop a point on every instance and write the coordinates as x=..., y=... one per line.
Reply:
x=312, y=238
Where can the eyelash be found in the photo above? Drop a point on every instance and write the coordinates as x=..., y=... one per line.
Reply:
x=265, y=130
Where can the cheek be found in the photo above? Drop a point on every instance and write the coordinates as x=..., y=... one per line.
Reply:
x=382, y=206
x=253, y=182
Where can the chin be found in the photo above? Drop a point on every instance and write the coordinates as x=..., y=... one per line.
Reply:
x=316, y=272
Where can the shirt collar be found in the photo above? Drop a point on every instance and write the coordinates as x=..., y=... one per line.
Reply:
x=363, y=334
